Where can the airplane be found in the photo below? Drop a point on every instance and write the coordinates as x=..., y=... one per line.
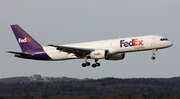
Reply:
x=113, y=49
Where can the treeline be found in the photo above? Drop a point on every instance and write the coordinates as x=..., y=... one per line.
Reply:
x=106, y=88
x=36, y=78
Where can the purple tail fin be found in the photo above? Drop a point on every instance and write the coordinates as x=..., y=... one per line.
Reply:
x=26, y=42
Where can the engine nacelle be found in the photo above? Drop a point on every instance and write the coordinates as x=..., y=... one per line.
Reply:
x=118, y=56
x=98, y=54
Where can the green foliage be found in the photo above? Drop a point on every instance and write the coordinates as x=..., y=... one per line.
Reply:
x=106, y=88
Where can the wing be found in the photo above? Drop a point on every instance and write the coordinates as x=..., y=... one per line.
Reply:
x=21, y=53
x=79, y=52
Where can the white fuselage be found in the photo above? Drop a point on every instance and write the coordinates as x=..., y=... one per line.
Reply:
x=113, y=49
x=114, y=46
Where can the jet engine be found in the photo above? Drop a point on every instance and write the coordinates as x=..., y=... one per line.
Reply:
x=118, y=56
x=99, y=54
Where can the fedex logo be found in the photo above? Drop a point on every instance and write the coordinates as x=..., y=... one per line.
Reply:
x=98, y=53
x=26, y=39
x=135, y=42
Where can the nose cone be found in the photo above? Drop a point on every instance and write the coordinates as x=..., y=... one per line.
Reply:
x=170, y=44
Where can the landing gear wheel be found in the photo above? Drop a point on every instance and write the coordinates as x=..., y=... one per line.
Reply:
x=153, y=54
x=97, y=64
x=88, y=64
x=93, y=65
x=153, y=58
x=83, y=64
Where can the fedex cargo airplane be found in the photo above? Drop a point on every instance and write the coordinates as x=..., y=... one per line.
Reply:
x=113, y=49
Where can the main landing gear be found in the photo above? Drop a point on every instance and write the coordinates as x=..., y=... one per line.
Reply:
x=96, y=64
x=86, y=63
x=153, y=54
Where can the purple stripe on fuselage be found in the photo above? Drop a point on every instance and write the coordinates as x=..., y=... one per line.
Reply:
x=37, y=54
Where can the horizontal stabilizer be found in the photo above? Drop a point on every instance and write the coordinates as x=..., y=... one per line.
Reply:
x=21, y=53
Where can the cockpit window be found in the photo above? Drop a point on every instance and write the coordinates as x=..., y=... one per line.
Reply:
x=164, y=39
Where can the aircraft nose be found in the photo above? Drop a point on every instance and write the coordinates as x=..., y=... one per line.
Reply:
x=170, y=44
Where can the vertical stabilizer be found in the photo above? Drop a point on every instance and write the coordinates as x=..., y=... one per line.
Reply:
x=26, y=42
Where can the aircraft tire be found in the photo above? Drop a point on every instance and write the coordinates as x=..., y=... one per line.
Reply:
x=88, y=63
x=98, y=64
x=153, y=58
x=93, y=65
x=83, y=64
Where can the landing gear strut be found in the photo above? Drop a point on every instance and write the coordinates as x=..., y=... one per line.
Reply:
x=153, y=54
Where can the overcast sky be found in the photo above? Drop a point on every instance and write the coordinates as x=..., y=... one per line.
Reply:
x=71, y=21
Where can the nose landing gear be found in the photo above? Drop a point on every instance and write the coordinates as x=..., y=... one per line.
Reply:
x=153, y=54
